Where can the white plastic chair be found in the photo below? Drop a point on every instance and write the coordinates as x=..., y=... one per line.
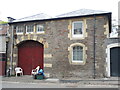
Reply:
x=18, y=70
x=35, y=71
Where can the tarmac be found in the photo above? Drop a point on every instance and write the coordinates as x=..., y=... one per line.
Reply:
x=98, y=81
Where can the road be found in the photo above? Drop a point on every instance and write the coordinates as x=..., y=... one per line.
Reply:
x=7, y=84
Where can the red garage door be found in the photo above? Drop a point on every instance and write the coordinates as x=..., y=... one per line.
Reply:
x=30, y=55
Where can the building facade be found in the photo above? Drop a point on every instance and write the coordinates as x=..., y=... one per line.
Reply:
x=3, y=33
x=69, y=45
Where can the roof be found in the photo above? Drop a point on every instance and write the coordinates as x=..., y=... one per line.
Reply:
x=39, y=16
x=82, y=12
x=42, y=16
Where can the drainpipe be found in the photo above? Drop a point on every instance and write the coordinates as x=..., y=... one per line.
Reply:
x=94, y=48
x=7, y=40
x=11, y=55
x=10, y=19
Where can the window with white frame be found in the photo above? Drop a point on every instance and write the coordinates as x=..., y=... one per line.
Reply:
x=77, y=29
x=77, y=54
x=29, y=28
x=40, y=29
x=19, y=29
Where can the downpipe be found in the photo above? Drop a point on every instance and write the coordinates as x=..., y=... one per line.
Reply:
x=94, y=48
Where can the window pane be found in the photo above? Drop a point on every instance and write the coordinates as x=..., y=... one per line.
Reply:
x=19, y=29
x=30, y=28
x=77, y=53
x=77, y=28
x=40, y=28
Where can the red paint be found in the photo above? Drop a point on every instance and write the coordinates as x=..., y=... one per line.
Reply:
x=30, y=55
x=2, y=68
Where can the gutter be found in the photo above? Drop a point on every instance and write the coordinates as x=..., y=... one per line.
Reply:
x=11, y=57
x=59, y=18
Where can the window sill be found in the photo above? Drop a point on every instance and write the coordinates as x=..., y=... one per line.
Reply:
x=77, y=38
x=77, y=63
x=40, y=32
x=19, y=33
x=29, y=33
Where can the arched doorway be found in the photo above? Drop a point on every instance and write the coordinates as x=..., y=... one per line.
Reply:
x=30, y=55
x=113, y=60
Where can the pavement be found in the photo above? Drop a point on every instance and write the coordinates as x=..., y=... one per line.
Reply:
x=27, y=81
x=98, y=81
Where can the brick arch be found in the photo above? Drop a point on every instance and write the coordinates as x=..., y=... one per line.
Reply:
x=22, y=39
x=30, y=55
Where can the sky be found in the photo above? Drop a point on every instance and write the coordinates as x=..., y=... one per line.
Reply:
x=21, y=8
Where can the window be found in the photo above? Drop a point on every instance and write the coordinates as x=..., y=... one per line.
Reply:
x=40, y=29
x=77, y=53
x=77, y=29
x=19, y=29
x=29, y=28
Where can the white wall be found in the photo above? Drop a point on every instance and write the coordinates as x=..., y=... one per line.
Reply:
x=2, y=44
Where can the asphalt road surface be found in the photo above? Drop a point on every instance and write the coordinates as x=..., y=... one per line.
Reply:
x=7, y=84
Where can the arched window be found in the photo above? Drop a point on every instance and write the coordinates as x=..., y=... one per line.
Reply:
x=77, y=53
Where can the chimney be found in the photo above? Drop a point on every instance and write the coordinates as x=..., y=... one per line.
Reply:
x=10, y=19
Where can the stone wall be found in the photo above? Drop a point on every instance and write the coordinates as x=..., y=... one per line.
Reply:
x=57, y=40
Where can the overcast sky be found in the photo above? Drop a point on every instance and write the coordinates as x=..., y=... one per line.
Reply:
x=22, y=8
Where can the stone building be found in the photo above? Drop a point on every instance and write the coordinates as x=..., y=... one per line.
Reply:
x=113, y=50
x=3, y=43
x=69, y=45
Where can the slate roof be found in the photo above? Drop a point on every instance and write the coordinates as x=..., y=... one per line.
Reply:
x=42, y=16
x=82, y=12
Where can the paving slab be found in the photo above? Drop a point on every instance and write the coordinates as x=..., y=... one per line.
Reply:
x=29, y=79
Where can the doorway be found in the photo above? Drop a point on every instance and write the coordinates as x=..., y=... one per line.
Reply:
x=115, y=61
x=30, y=55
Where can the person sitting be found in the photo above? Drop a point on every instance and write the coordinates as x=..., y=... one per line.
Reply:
x=41, y=72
